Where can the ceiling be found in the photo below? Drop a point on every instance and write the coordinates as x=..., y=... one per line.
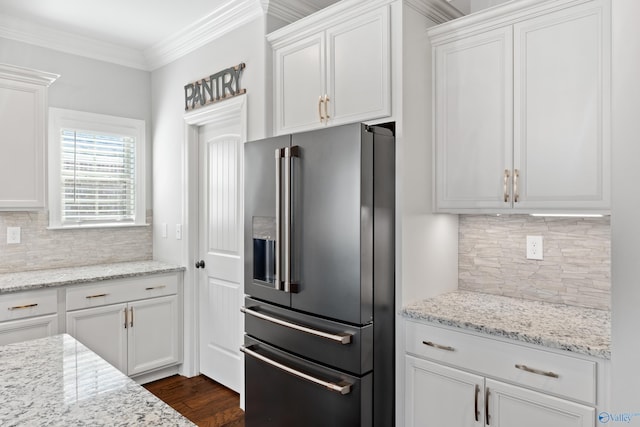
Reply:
x=138, y=33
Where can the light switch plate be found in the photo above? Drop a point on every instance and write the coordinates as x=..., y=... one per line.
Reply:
x=13, y=235
x=534, y=247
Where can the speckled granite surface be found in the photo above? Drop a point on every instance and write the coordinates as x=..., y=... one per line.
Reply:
x=57, y=381
x=575, y=329
x=28, y=280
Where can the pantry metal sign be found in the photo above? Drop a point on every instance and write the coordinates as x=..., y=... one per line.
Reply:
x=217, y=87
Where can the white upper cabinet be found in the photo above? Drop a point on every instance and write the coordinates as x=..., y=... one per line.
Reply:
x=474, y=143
x=522, y=109
x=23, y=107
x=332, y=67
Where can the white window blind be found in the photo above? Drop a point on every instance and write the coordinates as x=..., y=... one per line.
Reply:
x=96, y=170
x=98, y=179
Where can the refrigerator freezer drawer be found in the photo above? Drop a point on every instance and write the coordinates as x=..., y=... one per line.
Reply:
x=283, y=390
x=346, y=347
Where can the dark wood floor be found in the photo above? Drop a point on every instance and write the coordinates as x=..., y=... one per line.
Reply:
x=201, y=400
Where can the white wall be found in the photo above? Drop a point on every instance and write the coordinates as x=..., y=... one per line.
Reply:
x=625, y=216
x=246, y=44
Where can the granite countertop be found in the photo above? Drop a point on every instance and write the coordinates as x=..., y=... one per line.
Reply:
x=575, y=329
x=56, y=381
x=28, y=280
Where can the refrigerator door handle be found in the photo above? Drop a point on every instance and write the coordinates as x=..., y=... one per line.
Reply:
x=342, y=388
x=342, y=338
x=279, y=155
x=289, y=154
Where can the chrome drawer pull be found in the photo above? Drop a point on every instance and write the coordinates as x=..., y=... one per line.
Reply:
x=342, y=388
x=20, y=307
x=96, y=296
x=538, y=371
x=438, y=346
x=343, y=338
x=155, y=287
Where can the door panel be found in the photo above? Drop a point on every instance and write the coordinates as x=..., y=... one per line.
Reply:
x=473, y=96
x=328, y=189
x=437, y=395
x=259, y=218
x=220, y=235
x=153, y=334
x=561, y=109
x=515, y=406
x=111, y=342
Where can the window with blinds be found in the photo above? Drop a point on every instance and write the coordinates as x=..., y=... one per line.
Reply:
x=98, y=178
x=96, y=170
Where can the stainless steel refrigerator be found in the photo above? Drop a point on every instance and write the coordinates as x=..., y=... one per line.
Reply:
x=319, y=278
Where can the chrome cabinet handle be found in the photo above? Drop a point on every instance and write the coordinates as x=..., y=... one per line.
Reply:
x=486, y=406
x=21, y=307
x=289, y=154
x=155, y=287
x=343, y=338
x=538, y=371
x=505, y=186
x=342, y=388
x=279, y=156
x=126, y=318
x=516, y=193
x=438, y=346
x=326, y=107
x=131, y=322
x=96, y=296
x=320, y=102
x=476, y=412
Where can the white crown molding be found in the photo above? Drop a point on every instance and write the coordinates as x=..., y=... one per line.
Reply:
x=289, y=10
x=227, y=18
x=27, y=32
x=439, y=11
x=27, y=75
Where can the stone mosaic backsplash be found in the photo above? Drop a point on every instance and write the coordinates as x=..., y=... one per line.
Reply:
x=576, y=269
x=42, y=249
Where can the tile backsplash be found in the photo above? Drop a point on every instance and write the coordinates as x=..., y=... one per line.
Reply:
x=41, y=248
x=575, y=269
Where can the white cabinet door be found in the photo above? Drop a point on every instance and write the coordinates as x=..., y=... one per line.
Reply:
x=358, y=64
x=440, y=396
x=28, y=329
x=515, y=406
x=300, y=82
x=22, y=163
x=153, y=339
x=102, y=329
x=473, y=122
x=561, y=109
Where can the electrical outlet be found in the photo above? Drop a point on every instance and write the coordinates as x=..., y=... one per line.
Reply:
x=13, y=235
x=534, y=247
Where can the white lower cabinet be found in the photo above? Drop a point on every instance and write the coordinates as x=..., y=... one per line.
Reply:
x=459, y=380
x=134, y=336
x=28, y=315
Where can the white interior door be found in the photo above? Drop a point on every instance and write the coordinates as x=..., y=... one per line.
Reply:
x=220, y=237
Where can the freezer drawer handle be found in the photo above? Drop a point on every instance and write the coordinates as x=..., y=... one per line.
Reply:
x=538, y=371
x=343, y=338
x=342, y=388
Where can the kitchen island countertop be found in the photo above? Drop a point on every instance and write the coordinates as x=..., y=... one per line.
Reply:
x=57, y=381
x=29, y=280
x=574, y=329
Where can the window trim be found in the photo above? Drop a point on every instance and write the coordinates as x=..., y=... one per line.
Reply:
x=60, y=118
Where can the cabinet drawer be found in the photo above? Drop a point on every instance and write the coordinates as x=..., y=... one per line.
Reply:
x=576, y=377
x=122, y=290
x=28, y=304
